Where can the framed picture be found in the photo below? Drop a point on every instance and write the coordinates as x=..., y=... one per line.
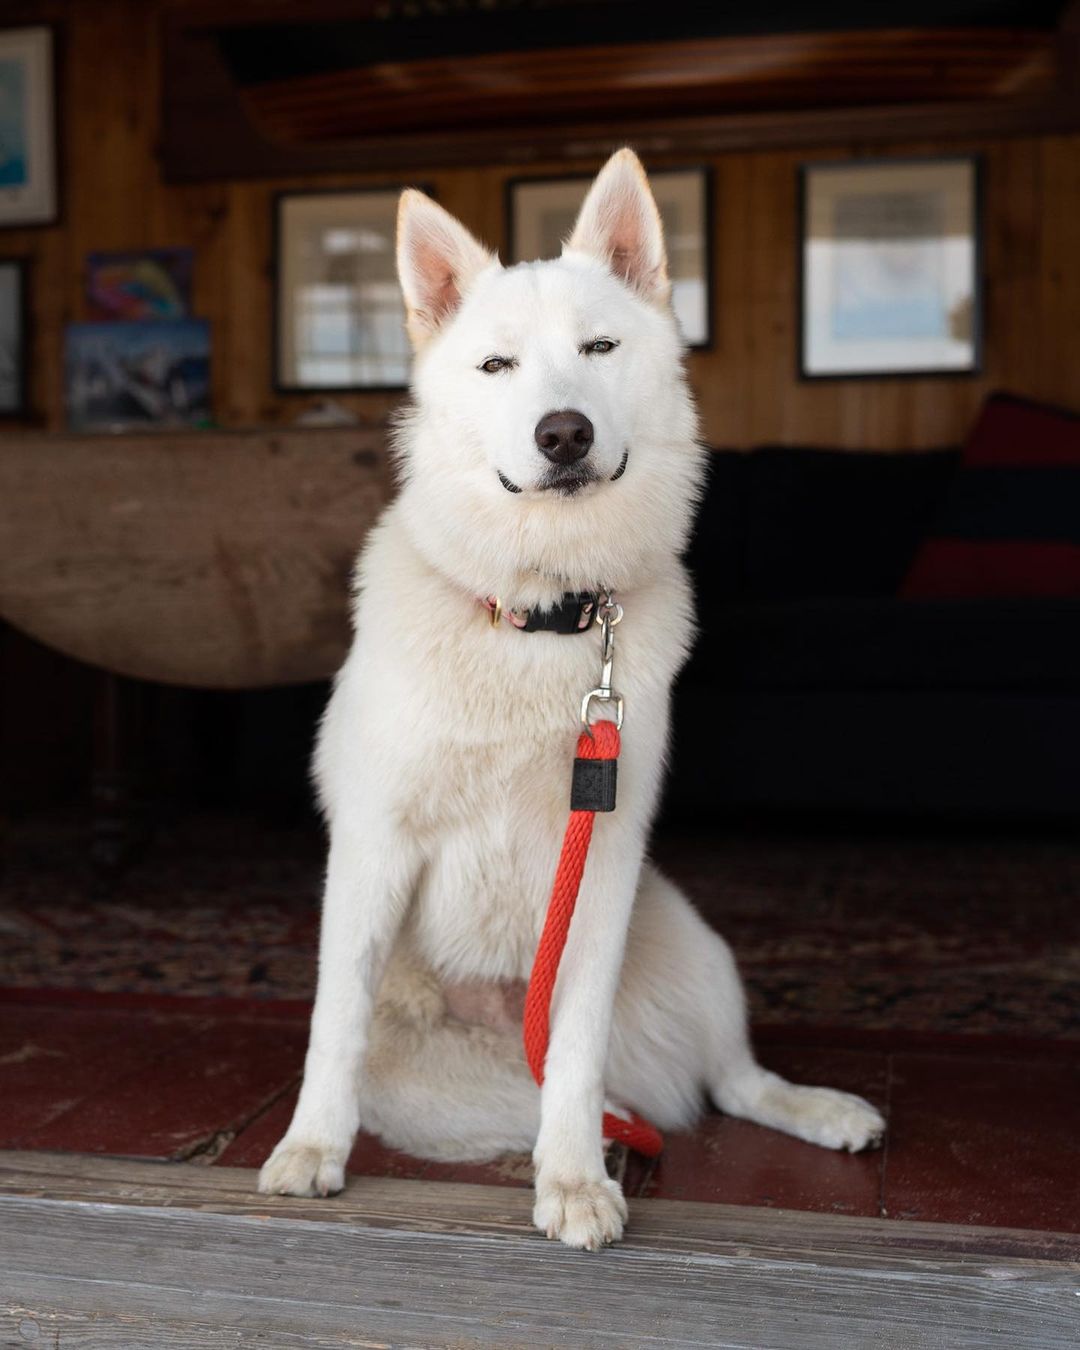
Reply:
x=541, y=213
x=27, y=127
x=137, y=376
x=152, y=284
x=14, y=310
x=339, y=316
x=890, y=268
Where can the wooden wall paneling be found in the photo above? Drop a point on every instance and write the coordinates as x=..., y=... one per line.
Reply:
x=247, y=358
x=111, y=124
x=114, y=196
x=771, y=310
x=475, y=197
x=715, y=375
x=1013, y=204
x=1057, y=308
x=198, y=217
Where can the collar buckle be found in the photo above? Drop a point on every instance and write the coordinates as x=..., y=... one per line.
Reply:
x=574, y=613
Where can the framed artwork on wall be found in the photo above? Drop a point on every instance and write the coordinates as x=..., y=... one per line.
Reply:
x=339, y=316
x=149, y=284
x=27, y=127
x=890, y=268
x=14, y=309
x=137, y=376
x=540, y=214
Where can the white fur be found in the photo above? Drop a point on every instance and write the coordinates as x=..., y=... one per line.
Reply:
x=444, y=758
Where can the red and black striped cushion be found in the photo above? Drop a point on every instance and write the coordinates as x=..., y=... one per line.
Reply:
x=1011, y=523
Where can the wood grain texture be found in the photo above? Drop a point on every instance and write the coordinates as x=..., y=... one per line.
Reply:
x=165, y=1256
x=115, y=197
x=497, y=1210
x=522, y=106
x=569, y=84
x=219, y=560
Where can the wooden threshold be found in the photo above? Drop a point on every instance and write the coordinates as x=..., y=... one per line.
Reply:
x=101, y=1252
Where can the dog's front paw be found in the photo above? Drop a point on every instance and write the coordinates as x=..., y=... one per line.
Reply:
x=299, y=1168
x=580, y=1213
x=837, y=1119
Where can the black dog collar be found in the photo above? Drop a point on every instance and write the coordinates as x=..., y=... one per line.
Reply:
x=574, y=613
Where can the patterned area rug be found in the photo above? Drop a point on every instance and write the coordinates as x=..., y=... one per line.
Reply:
x=967, y=935
x=977, y=935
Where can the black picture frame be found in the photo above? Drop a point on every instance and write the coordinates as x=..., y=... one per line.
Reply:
x=705, y=172
x=804, y=174
x=279, y=201
x=19, y=405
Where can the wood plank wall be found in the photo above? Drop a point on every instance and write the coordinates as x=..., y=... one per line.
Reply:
x=113, y=197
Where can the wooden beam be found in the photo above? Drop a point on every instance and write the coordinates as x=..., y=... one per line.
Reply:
x=681, y=100
x=99, y=1252
x=568, y=84
x=237, y=151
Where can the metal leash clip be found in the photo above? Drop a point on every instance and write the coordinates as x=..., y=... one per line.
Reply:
x=608, y=614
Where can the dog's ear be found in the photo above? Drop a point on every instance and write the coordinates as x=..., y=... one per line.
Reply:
x=437, y=258
x=620, y=225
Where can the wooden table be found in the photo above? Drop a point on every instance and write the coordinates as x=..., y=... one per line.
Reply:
x=218, y=560
x=214, y=559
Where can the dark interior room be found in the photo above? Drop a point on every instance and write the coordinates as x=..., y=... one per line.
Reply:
x=872, y=226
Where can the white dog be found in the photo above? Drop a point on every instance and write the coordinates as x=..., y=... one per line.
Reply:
x=549, y=453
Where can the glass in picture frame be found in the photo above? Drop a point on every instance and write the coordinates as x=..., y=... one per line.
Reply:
x=889, y=268
x=339, y=316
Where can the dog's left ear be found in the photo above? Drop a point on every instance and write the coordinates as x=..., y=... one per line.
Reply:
x=437, y=259
x=620, y=225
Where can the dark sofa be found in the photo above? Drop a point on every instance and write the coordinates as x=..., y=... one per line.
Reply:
x=813, y=687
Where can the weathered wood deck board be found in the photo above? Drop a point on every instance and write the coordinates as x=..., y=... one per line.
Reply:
x=501, y=1210
x=338, y=1281
x=106, y=1252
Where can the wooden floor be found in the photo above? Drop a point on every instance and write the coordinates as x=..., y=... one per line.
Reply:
x=111, y=1253
x=982, y=1130
x=147, y=1067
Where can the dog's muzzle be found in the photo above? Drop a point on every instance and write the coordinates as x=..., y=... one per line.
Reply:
x=567, y=481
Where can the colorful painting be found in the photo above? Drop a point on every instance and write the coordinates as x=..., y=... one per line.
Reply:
x=155, y=284
x=27, y=149
x=127, y=376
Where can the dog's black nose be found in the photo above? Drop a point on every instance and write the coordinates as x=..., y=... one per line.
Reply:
x=564, y=436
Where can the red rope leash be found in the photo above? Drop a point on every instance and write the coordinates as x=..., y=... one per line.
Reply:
x=638, y=1134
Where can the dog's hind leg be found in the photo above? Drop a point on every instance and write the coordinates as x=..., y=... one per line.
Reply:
x=438, y=1088
x=680, y=1026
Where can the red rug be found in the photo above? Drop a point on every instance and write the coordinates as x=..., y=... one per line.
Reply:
x=925, y=935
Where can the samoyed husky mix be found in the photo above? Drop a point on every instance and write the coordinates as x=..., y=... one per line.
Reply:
x=548, y=462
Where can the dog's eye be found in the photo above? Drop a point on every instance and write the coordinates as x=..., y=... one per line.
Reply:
x=494, y=364
x=599, y=346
